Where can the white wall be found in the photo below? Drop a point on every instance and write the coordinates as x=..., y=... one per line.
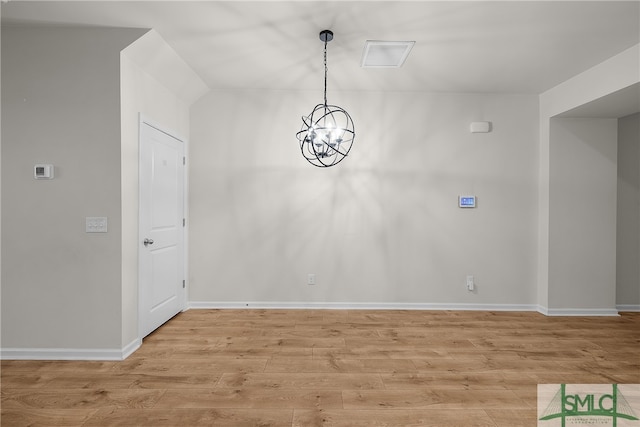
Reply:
x=0, y=181
x=609, y=77
x=582, y=225
x=156, y=82
x=61, y=287
x=628, y=219
x=618, y=72
x=381, y=227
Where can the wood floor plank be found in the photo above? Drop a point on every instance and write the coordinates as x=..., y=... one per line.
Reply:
x=57, y=365
x=303, y=381
x=382, y=342
x=527, y=392
x=172, y=380
x=251, y=398
x=453, y=365
x=340, y=365
x=243, y=352
x=210, y=366
x=452, y=379
x=208, y=330
x=45, y=380
x=426, y=398
x=190, y=417
x=524, y=343
x=276, y=342
x=80, y=399
x=45, y=417
x=392, y=418
x=369, y=352
x=114, y=380
x=322, y=331
x=328, y=368
x=513, y=417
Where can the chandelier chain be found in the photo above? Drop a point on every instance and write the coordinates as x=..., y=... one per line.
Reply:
x=325, y=72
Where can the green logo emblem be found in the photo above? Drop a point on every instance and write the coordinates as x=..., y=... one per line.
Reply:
x=582, y=407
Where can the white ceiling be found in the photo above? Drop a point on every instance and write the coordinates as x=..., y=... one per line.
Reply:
x=476, y=46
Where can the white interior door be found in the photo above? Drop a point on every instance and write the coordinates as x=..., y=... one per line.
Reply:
x=161, y=239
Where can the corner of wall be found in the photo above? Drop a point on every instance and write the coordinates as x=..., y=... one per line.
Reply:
x=154, y=55
x=618, y=72
x=157, y=83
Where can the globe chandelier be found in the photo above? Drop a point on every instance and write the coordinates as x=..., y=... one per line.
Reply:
x=327, y=133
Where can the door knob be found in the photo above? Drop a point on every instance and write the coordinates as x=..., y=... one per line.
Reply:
x=148, y=242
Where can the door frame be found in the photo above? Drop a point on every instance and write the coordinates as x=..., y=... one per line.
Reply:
x=142, y=120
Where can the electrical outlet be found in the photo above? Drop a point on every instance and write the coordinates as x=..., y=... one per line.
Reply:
x=470, y=284
x=311, y=279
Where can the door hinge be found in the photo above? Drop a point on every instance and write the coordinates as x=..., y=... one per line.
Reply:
x=184, y=222
x=184, y=160
x=184, y=284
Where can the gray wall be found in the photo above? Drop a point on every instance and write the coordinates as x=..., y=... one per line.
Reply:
x=383, y=226
x=592, y=85
x=582, y=224
x=61, y=287
x=628, y=226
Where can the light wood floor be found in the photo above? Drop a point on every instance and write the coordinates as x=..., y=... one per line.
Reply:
x=329, y=368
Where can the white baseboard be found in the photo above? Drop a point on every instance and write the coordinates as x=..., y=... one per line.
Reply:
x=131, y=347
x=588, y=312
x=628, y=307
x=411, y=306
x=359, y=306
x=69, y=354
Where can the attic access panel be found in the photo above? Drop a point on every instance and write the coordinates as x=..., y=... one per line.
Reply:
x=385, y=54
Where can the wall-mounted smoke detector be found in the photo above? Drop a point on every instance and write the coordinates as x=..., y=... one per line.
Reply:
x=385, y=54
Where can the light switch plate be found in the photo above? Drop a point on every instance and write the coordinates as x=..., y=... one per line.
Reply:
x=480, y=127
x=96, y=224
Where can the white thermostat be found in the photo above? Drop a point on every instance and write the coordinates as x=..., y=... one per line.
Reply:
x=43, y=171
x=467, y=201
